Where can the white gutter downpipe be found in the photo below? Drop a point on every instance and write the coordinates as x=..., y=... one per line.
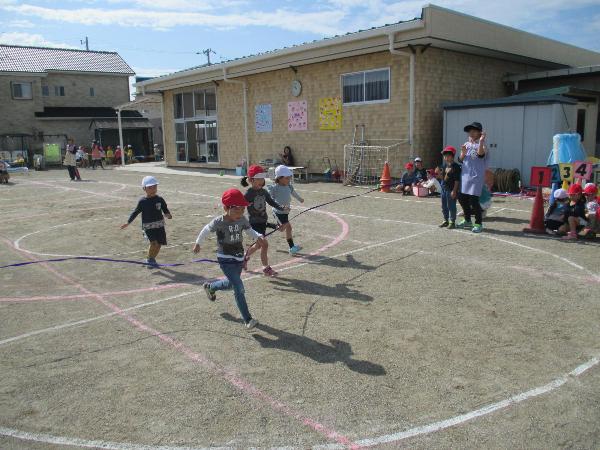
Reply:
x=411, y=90
x=121, y=137
x=244, y=85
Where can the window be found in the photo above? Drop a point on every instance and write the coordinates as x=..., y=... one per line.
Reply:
x=21, y=91
x=45, y=91
x=92, y=92
x=196, y=129
x=59, y=91
x=581, y=123
x=371, y=86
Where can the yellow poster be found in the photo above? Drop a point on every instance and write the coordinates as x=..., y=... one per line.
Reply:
x=330, y=113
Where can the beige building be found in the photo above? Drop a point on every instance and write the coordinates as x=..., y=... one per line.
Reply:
x=392, y=79
x=51, y=95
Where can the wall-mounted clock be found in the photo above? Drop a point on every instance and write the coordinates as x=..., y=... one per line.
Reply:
x=296, y=88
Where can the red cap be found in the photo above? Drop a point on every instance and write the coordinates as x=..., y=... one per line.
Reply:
x=254, y=171
x=408, y=166
x=575, y=188
x=233, y=197
x=590, y=189
x=449, y=149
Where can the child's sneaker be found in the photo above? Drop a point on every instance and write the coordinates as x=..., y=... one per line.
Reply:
x=269, y=272
x=477, y=228
x=151, y=263
x=570, y=236
x=209, y=292
x=464, y=224
x=451, y=225
x=444, y=224
x=294, y=250
x=251, y=324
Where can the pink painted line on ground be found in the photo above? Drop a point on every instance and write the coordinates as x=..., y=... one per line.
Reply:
x=80, y=296
x=225, y=374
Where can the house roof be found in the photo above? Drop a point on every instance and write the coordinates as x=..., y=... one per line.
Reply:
x=510, y=101
x=570, y=71
x=113, y=124
x=437, y=27
x=567, y=91
x=14, y=58
x=83, y=112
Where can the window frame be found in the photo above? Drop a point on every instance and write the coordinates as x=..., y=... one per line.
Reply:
x=363, y=72
x=12, y=90
x=92, y=91
x=45, y=90
x=59, y=91
x=192, y=120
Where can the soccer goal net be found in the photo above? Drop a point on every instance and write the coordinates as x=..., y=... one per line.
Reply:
x=363, y=164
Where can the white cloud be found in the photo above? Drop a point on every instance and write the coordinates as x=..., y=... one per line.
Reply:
x=322, y=23
x=20, y=24
x=35, y=40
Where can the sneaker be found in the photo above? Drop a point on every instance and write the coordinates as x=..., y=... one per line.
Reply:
x=251, y=324
x=464, y=224
x=477, y=228
x=269, y=272
x=294, y=250
x=209, y=292
x=151, y=262
x=444, y=224
x=569, y=237
x=451, y=225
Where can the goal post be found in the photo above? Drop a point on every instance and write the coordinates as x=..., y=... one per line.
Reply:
x=363, y=164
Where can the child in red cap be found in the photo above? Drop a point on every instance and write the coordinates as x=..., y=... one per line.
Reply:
x=230, y=250
x=258, y=198
x=408, y=179
x=575, y=213
x=592, y=211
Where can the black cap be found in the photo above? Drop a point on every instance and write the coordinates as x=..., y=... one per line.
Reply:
x=474, y=126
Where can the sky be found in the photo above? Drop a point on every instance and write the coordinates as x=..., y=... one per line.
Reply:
x=157, y=37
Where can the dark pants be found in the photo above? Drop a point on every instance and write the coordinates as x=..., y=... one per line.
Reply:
x=73, y=172
x=448, y=205
x=97, y=161
x=470, y=205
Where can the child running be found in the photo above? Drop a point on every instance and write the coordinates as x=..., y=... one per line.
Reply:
x=230, y=251
x=258, y=198
x=282, y=192
x=152, y=207
x=474, y=159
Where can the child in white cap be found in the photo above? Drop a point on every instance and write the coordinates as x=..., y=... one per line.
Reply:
x=152, y=207
x=282, y=192
x=555, y=216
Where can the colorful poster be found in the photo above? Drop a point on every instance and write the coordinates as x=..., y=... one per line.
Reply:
x=52, y=153
x=330, y=113
x=263, y=116
x=297, y=116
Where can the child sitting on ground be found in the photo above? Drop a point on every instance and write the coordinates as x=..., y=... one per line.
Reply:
x=555, y=216
x=575, y=213
x=592, y=211
x=432, y=183
x=408, y=180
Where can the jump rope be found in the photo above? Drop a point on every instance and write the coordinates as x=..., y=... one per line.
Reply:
x=201, y=260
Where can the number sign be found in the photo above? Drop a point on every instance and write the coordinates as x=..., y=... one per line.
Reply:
x=556, y=178
x=541, y=177
x=566, y=171
x=582, y=169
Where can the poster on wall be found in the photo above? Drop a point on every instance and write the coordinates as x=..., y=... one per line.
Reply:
x=297, y=116
x=263, y=115
x=330, y=113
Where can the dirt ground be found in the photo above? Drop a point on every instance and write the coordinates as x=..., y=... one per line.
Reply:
x=387, y=331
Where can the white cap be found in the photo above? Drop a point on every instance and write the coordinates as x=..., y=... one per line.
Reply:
x=283, y=171
x=149, y=181
x=156, y=145
x=560, y=193
x=417, y=159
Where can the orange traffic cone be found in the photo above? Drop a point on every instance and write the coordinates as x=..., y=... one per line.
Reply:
x=536, y=224
x=386, y=179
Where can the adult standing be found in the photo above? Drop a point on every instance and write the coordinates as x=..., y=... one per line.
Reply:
x=96, y=155
x=118, y=155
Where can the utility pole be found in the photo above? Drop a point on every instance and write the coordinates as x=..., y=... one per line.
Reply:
x=86, y=42
x=207, y=52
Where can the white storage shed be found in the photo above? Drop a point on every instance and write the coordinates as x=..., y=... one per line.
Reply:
x=519, y=129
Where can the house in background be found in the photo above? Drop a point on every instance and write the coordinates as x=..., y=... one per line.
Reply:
x=50, y=96
x=393, y=79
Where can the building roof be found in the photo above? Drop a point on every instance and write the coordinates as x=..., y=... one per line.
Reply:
x=567, y=91
x=510, y=101
x=14, y=58
x=113, y=124
x=437, y=27
x=84, y=112
x=570, y=71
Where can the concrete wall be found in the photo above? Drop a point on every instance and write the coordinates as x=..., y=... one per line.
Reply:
x=441, y=76
x=109, y=90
